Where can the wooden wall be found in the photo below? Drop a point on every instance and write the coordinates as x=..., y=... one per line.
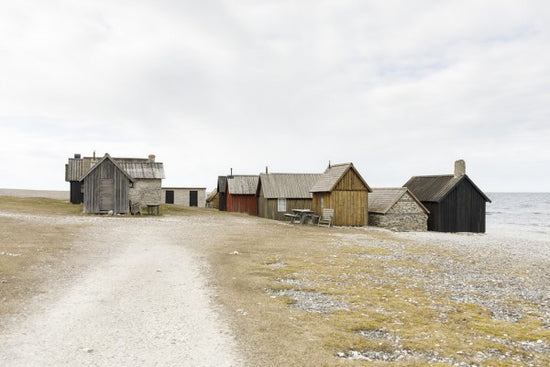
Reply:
x=242, y=204
x=268, y=208
x=98, y=197
x=349, y=199
x=462, y=210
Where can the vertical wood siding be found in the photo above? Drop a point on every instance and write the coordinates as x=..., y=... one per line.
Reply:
x=242, y=204
x=119, y=192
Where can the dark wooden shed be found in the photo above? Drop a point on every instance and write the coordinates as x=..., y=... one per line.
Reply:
x=343, y=189
x=106, y=188
x=222, y=193
x=455, y=203
x=279, y=193
x=241, y=194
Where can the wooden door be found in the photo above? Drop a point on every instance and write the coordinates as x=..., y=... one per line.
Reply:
x=106, y=197
x=169, y=197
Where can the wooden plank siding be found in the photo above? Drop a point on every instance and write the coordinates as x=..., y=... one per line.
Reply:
x=464, y=210
x=96, y=200
x=242, y=204
x=349, y=199
x=268, y=208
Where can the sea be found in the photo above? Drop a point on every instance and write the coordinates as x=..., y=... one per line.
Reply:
x=521, y=215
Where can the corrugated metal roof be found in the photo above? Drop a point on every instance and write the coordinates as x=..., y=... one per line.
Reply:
x=332, y=176
x=141, y=170
x=381, y=200
x=435, y=188
x=288, y=185
x=242, y=184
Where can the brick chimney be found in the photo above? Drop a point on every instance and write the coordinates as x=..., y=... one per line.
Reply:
x=460, y=168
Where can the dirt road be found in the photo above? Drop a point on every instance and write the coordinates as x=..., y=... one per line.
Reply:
x=145, y=301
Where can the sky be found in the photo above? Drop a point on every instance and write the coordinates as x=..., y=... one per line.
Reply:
x=399, y=88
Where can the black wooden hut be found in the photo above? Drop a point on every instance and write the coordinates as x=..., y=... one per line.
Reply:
x=106, y=188
x=455, y=203
x=222, y=193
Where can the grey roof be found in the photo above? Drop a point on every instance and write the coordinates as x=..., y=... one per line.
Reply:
x=435, y=188
x=212, y=195
x=97, y=164
x=141, y=170
x=288, y=185
x=242, y=184
x=332, y=176
x=381, y=200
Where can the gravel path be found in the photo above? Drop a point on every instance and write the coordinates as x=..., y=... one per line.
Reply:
x=146, y=302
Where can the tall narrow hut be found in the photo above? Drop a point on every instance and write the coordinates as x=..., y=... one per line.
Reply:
x=279, y=193
x=455, y=203
x=241, y=194
x=343, y=189
x=222, y=193
x=397, y=209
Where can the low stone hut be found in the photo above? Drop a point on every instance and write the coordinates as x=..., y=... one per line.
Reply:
x=397, y=209
x=185, y=196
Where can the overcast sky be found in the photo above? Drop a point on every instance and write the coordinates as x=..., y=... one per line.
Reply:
x=399, y=88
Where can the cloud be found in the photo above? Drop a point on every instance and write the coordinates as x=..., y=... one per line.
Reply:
x=399, y=88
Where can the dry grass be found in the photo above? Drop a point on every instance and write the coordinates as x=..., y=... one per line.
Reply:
x=381, y=301
x=30, y=251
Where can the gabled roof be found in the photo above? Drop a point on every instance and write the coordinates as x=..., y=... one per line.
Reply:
x=288, y=185
x=242, y=185
x=333, y=175
x=435, y=188
x=381, y=200
x=106, y=157
x=144, y=169
x=212, y=195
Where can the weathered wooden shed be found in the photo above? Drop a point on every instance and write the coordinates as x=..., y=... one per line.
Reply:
x=455, y=203
x=241, y=194
x=343, y=189
x=279, y=193
x=397, y=209
x=213, y=199
x=222, y=193
x=185, y=196
x=106, y=187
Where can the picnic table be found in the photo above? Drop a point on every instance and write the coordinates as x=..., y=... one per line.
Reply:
x=301, y=215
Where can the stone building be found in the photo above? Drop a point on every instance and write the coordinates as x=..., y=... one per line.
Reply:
x=397, y=209
x=185, y=196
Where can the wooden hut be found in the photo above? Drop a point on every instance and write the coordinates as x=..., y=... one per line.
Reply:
x=74, y=170
x=241, y=194
x=185, y=196
x=222, y=193
x=279, y=193
x=213, y=199
x=343, y=189
x=455, y=203
x=106, y=188
x=397, y=209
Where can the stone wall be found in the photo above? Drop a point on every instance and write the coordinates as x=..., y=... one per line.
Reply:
x=182, y=196
x=147, y=192
x=405, y=215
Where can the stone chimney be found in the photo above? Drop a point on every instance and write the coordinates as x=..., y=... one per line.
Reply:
x=151, y=158
x=460, y=168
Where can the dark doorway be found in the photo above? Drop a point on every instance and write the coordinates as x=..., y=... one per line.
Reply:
x=169, y=197
x=193, y=198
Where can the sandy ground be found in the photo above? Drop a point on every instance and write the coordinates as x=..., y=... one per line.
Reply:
x=142, y=300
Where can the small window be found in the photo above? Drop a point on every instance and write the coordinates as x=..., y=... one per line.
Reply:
x=322, y=202
x=281, y=205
